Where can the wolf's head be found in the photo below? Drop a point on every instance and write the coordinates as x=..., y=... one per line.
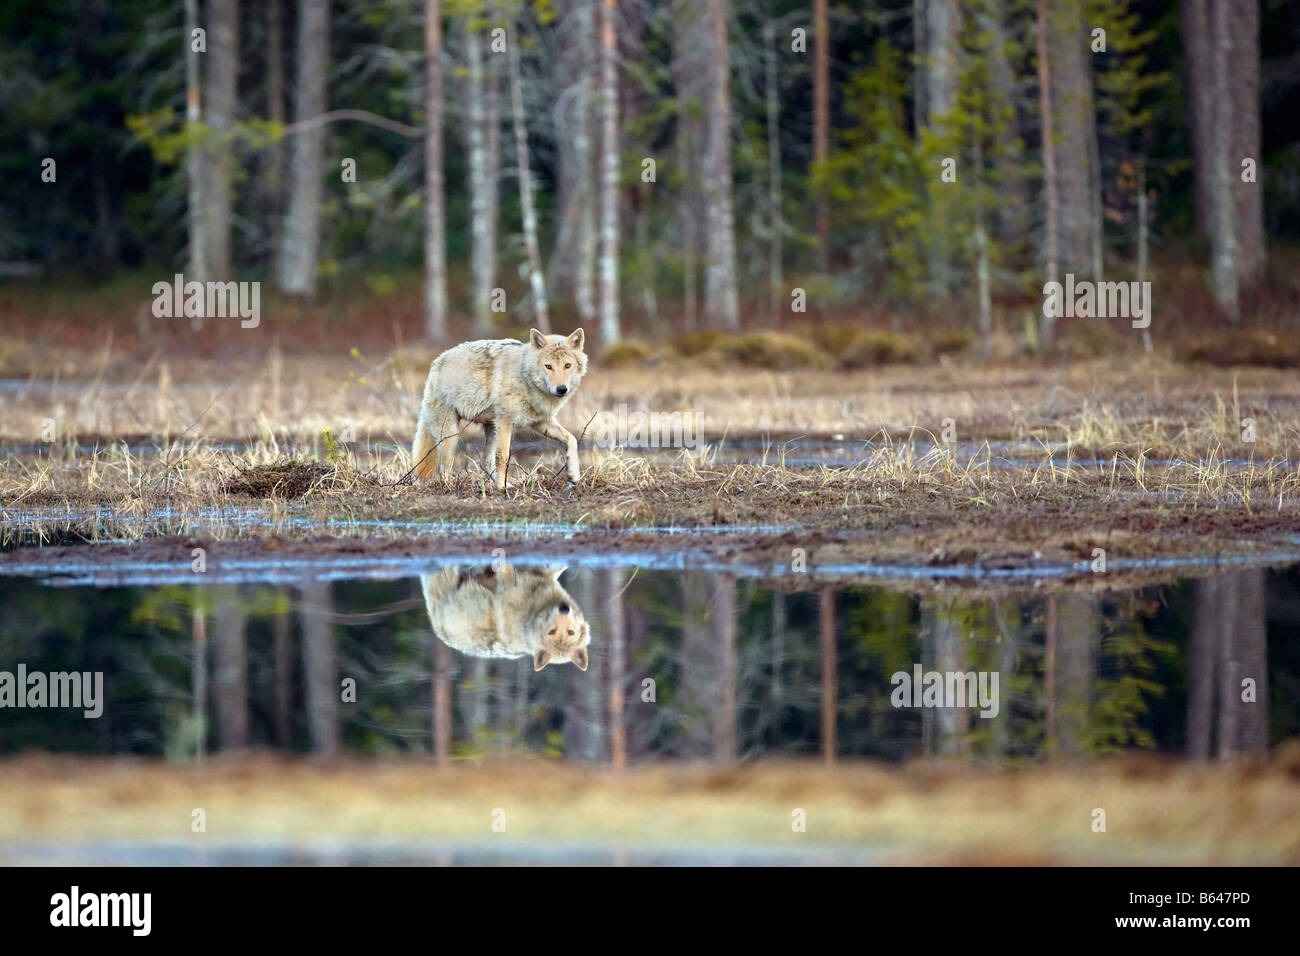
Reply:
x=565, y=636
x=557, y=362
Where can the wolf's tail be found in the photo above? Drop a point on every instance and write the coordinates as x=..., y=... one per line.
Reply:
x=424, y=452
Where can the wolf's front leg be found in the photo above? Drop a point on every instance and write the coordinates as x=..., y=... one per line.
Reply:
x=554, y=429
x=501, y=431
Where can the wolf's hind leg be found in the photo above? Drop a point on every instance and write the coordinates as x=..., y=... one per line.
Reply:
x=446, y=431
x=499, y=434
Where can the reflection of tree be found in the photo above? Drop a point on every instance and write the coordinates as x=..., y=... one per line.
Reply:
x=320, y=667
x=614, y=579
x=230, y=667
x=830, y=672
x=1228, y=644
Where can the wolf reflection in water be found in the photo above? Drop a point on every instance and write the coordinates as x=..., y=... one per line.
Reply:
x=505, y=611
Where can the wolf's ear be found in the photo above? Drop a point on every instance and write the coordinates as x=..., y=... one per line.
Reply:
x=577, y=338
x=541, y=657
x=537, y=338
x=579, y=658
x=556, y=570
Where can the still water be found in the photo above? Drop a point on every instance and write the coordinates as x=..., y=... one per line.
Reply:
x=629, y=666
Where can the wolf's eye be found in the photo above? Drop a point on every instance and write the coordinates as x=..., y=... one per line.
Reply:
x=568, y=365
x=570, y=634
x=550, y=368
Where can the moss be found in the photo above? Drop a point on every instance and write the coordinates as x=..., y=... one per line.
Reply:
x=872, y=347
x=773, y=350
x=284, y=479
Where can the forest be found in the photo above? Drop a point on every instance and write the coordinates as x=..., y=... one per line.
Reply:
x=646, y=168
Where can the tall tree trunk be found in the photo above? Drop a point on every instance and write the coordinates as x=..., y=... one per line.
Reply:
x=1249, y=209
x=1202, y=656
x=197, y=268
x=223, y=89
x=1011, y=222
x=273, y=175
x=1200, y=83
x=300, y=241
x=1076, y=122
x=536, y=280
x=1051, y=254
x=772, y=97
x=821, y=120
x=481, y=184
x=574, y=261
x=690, y=76
x=609, y=163
x=942, y=32
x=435, y=235
x=720, y=300
x=1224, y=277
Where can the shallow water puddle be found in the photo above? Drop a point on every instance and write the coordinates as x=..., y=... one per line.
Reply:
x=471, y=660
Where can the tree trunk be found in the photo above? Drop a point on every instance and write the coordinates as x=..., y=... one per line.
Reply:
x=1050, y=199
x=1011, y=221
x=1196, y=47
x=720, y=242
x=821, y=121
x=1249, y=208
x=223, y=89
x=609, y=163
x=772, y=97
x=1224, y=276
x=197, y=268
x=273, y=176
x=1076, y=122
x=574, y=263
x=482, y=226
x=300, y=242
x=435, y=236
x=536, y=280
x=690, y=76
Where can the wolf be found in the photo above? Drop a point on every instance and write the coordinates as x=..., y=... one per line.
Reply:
x=502, y=384
x=504, y=611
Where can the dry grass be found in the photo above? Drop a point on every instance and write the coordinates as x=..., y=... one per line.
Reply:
x=140, y=450
x=1156, y=811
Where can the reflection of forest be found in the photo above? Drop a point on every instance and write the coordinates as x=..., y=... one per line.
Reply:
x=689, y=665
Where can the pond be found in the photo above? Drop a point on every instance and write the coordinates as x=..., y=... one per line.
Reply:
x=632, y=665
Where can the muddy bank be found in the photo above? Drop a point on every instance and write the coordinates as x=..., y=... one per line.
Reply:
x=962, y=554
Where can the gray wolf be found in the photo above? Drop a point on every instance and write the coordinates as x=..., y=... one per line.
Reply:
x=502, y=384
x=507, y=612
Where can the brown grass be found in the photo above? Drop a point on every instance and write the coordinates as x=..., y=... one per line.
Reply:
x=1156, y=811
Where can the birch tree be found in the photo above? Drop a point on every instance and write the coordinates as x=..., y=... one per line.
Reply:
x=536, y=278
x=720, y=300
x=223, y=86
x=609, y=312
x=299, y=248
x=435, y=240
